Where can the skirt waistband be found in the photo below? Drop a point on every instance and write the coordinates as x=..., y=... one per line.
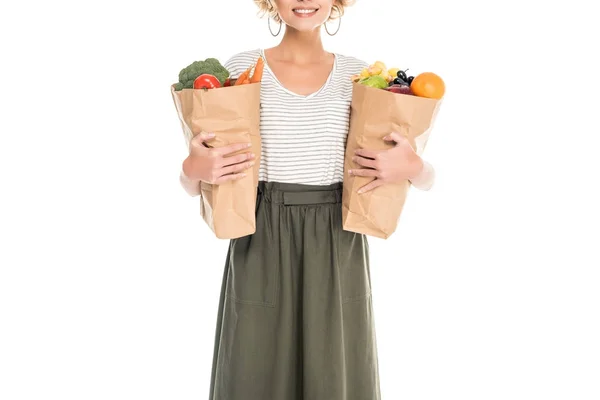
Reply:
x=300, y=194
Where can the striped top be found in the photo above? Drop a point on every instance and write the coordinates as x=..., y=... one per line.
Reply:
x=303, y=137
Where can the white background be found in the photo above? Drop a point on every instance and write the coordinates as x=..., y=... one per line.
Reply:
x=109, y=280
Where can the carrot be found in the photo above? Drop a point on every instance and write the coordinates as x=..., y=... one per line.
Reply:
x=240, y=80
x=258, y=71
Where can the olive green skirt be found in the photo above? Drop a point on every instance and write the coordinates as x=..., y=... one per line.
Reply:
x=295, y=318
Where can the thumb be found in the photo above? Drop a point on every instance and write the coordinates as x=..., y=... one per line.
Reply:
x=202, y=137
x=207, y=135
x=394, y=137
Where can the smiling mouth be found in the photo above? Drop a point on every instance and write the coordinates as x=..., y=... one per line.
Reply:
x=305, y=12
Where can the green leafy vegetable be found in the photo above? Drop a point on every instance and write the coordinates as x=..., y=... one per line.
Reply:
x=210, y=66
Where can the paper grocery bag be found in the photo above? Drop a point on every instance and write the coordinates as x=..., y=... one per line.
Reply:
x=233, y=115
x=375, y=113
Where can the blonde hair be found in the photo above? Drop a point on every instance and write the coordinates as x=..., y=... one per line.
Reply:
x=267, y=7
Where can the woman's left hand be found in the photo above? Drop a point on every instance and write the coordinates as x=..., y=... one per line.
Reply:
x=393, y=165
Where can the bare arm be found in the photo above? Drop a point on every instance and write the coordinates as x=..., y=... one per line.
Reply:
x=192, y=187
x=425, y=179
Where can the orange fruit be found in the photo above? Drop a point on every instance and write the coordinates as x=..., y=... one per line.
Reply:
x=428, y=84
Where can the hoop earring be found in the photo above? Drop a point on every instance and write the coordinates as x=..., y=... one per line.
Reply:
x=271, y=30
x=337, y=30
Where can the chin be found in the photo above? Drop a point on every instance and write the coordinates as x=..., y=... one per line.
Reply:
x=304, y=27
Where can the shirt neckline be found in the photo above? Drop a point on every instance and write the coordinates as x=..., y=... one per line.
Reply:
x=308, y=96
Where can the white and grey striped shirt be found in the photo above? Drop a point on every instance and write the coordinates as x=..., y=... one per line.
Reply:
x=303, y=137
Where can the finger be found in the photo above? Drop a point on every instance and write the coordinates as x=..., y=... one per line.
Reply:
x=236, y=168
x=394, y=137
x=230, y=177
x=227, y=161
x=365, y=162
x=232, y=148
x=202, y=137
x=367, y=153
x=370, y=186
x=364, y=172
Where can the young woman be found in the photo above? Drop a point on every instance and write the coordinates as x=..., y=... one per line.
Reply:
x=295, y=315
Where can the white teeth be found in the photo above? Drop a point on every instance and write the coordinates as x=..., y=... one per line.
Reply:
x=299, y=11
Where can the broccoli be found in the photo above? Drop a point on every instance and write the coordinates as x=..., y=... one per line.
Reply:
x=209, y=66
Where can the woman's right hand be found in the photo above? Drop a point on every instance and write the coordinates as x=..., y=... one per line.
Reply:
x=211, y=165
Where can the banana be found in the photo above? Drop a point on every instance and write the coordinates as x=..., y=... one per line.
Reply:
x=375, y=70
x=385, y=75
x=381, y=65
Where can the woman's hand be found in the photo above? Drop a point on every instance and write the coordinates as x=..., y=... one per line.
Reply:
x=393, y=165
x=211, y=165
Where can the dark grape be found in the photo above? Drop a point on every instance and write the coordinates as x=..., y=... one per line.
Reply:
x=398, y=81
x=410, y=79
x=402, y=75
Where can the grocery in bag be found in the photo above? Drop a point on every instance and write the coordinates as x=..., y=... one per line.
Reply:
x=385, y=101
x=208, y=100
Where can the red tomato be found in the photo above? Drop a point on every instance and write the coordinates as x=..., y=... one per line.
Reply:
x=206, y=81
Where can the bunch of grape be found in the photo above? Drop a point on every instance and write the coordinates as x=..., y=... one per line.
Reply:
x=402, y=79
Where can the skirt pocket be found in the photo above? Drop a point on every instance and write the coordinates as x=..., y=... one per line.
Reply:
x=353, y=266
x=253, y=276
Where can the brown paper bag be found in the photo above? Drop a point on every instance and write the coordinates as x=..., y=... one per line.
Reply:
x=233, y=115
x=375, y=113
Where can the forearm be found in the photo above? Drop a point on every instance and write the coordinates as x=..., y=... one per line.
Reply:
x=192, y=187
x=425, y=178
